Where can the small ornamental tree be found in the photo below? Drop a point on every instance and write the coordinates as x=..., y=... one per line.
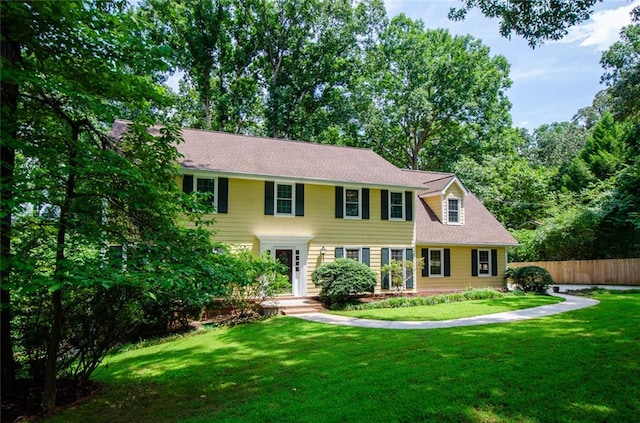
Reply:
x=397, y=274
x=530, y=278
x=342, y=280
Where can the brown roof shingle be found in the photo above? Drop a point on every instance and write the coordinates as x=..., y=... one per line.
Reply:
x=277, y=158
x=480, y=227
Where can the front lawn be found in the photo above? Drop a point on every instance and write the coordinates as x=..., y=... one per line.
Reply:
x=450, y=311
x=581, y=366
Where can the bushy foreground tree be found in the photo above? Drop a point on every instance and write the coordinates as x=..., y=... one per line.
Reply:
x=92, y=224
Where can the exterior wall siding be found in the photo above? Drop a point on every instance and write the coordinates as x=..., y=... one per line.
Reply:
x=245, y=222
x=461, y=277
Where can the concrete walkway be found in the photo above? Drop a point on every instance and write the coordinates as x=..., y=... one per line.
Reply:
x=571, y=303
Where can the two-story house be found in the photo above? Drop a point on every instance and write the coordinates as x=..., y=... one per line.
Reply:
x=307, y=204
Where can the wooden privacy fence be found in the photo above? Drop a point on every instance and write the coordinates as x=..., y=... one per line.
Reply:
x=591, y=272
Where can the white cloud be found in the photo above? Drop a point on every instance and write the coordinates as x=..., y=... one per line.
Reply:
x=603, y=29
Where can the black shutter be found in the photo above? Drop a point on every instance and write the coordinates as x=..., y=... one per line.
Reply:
x=223, y=195
x=339, y=202
x=365, y=203
x=408, y=255
x=447, y=262
x=269, y=187
x=408, y=206
x=425, y=255
x=339, y=252
x=299, y=199
x=384, y=204
x=494, y=262
x=474, y=262
x=385, y=275
x=366, y=256
x=187, y=184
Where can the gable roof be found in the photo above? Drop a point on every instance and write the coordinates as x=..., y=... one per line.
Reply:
x=480, y=227
x=262, y=157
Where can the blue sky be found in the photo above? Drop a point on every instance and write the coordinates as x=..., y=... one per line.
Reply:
x=550, y=83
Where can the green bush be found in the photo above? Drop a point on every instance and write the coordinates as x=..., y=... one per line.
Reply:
x=396, y=302
x=530, y=278
x=342, y=280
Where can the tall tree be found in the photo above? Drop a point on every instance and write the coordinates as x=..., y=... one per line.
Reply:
x=80, y=65
x=556, y=143
x=214, y=42
x=434, y=97
x=621, y=63
x=311, y=52
x=534, y=20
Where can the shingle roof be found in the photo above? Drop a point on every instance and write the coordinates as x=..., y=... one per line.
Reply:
x=270, y=157
x=480, y=227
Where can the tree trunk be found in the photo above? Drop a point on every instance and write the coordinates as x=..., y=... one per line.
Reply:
x=9, y=92
x=50, y=375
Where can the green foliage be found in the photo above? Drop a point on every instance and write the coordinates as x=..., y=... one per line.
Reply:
x=530, y=278
x=398, y=275
x=342, y=280
x=248, y=281
x=468, y=295
x=535, y=21
x=433, y=97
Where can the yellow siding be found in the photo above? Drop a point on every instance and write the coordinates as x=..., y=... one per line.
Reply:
x=461, y=271
x=435, y=204
x=246, y=221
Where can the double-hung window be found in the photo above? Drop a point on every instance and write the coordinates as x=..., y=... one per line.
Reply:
x=436, y=262
x=207, y=186
x=284, y=199
x=453, y=210
x=484, y=263
x=351, y=203
x=396, y=205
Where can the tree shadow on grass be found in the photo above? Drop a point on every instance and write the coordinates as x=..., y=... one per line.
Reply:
x=580, y=366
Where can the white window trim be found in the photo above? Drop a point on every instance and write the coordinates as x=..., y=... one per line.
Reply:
x=275, y=199
x=345, y=248
x=402, y=196
x=488, y=274
x=215, y=188
x=459, y=200
x=441, y=274
x=344, y=203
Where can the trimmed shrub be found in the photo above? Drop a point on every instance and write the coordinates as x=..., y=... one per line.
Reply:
x=530, y=278
x=342, y=280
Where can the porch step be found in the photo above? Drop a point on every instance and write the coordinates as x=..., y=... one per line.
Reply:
x=293, y=306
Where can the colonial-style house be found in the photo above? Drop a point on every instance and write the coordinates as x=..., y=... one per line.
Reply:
x=307, y=204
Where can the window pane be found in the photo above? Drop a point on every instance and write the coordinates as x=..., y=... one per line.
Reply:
x=453, y=211
x=205, y=185
x=483, y=262
x=396, y=205
x=353, y=253
x=352, y=203
x=284, y=199
x=284, y=206
x=435, y=262
x=285, y=191
x=397, y=255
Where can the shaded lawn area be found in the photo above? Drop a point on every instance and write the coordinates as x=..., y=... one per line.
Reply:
x=450, y=311
x=581, y=366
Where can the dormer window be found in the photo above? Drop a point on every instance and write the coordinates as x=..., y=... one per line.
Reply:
x=453, y=211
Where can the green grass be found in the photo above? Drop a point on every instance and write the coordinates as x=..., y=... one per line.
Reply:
x=449, y=311
x=581, y=366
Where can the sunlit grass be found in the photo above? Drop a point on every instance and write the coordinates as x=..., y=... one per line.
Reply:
x=581, y=366
x=450, y=311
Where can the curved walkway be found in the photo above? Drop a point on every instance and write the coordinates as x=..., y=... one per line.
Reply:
x=571, y=302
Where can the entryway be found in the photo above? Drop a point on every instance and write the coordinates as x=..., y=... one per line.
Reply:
x=292, y=252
